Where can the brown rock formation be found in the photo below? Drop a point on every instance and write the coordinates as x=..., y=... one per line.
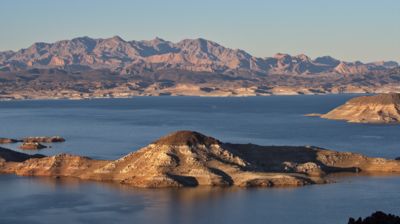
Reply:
x=187, y=158
x=382, y=108
x=32, y=146
x=8, y=140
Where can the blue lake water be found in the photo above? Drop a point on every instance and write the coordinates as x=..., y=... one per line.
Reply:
x=111, y=128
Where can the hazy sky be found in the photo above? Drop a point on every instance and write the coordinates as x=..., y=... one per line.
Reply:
x=367, y=30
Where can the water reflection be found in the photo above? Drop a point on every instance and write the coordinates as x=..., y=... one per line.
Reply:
x=69, y=200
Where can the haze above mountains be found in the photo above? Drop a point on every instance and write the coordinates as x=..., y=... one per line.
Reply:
x=90, y=68
x=197, y=55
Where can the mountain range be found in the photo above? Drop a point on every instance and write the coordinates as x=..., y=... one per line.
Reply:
x=197, y=55
x=85, y=67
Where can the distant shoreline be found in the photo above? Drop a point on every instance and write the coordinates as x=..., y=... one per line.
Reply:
x=200, y=96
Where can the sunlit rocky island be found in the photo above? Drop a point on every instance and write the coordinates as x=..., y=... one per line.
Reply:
x=188, y=159
x=379, y=109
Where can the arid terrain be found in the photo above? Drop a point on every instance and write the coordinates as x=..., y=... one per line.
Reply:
x=187, y=158
x=381, y=108
x=99, y=68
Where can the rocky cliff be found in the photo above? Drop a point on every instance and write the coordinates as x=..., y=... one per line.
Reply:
x=187, y=158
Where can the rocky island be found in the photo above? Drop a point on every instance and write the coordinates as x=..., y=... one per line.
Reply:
x=44, y=139
x=33, y=143
x=8, y=140
x=382, y=108
x=32, y=146
x=187, y=158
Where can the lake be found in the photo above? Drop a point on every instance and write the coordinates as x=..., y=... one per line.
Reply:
x=111, y=128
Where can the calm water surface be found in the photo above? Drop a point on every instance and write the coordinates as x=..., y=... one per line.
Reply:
x=110, y=128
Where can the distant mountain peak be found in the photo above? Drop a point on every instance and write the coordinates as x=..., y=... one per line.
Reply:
x=117, y=38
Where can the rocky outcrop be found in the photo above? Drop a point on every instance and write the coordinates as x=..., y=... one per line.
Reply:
x=382, y=108
x=32, y=146
x=377, y=218
x=8, y=140
x=187, y=158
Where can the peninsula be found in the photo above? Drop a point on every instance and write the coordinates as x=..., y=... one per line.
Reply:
x=382, y=108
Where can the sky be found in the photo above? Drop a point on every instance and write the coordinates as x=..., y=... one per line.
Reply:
x=366, y=30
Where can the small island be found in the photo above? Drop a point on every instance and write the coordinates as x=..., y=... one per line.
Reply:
x=32, y=146
x=8, y=140
x=188, y=159
x=33, y=143
x=382, y=108
x=44, y=139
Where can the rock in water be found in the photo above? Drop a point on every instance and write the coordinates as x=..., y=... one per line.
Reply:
x=32, y=146
x=8, y=140
x=382, y=108
x=44, y=139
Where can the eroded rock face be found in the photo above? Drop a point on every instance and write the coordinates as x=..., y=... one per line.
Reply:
x=187, y=158
x=382, y=108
